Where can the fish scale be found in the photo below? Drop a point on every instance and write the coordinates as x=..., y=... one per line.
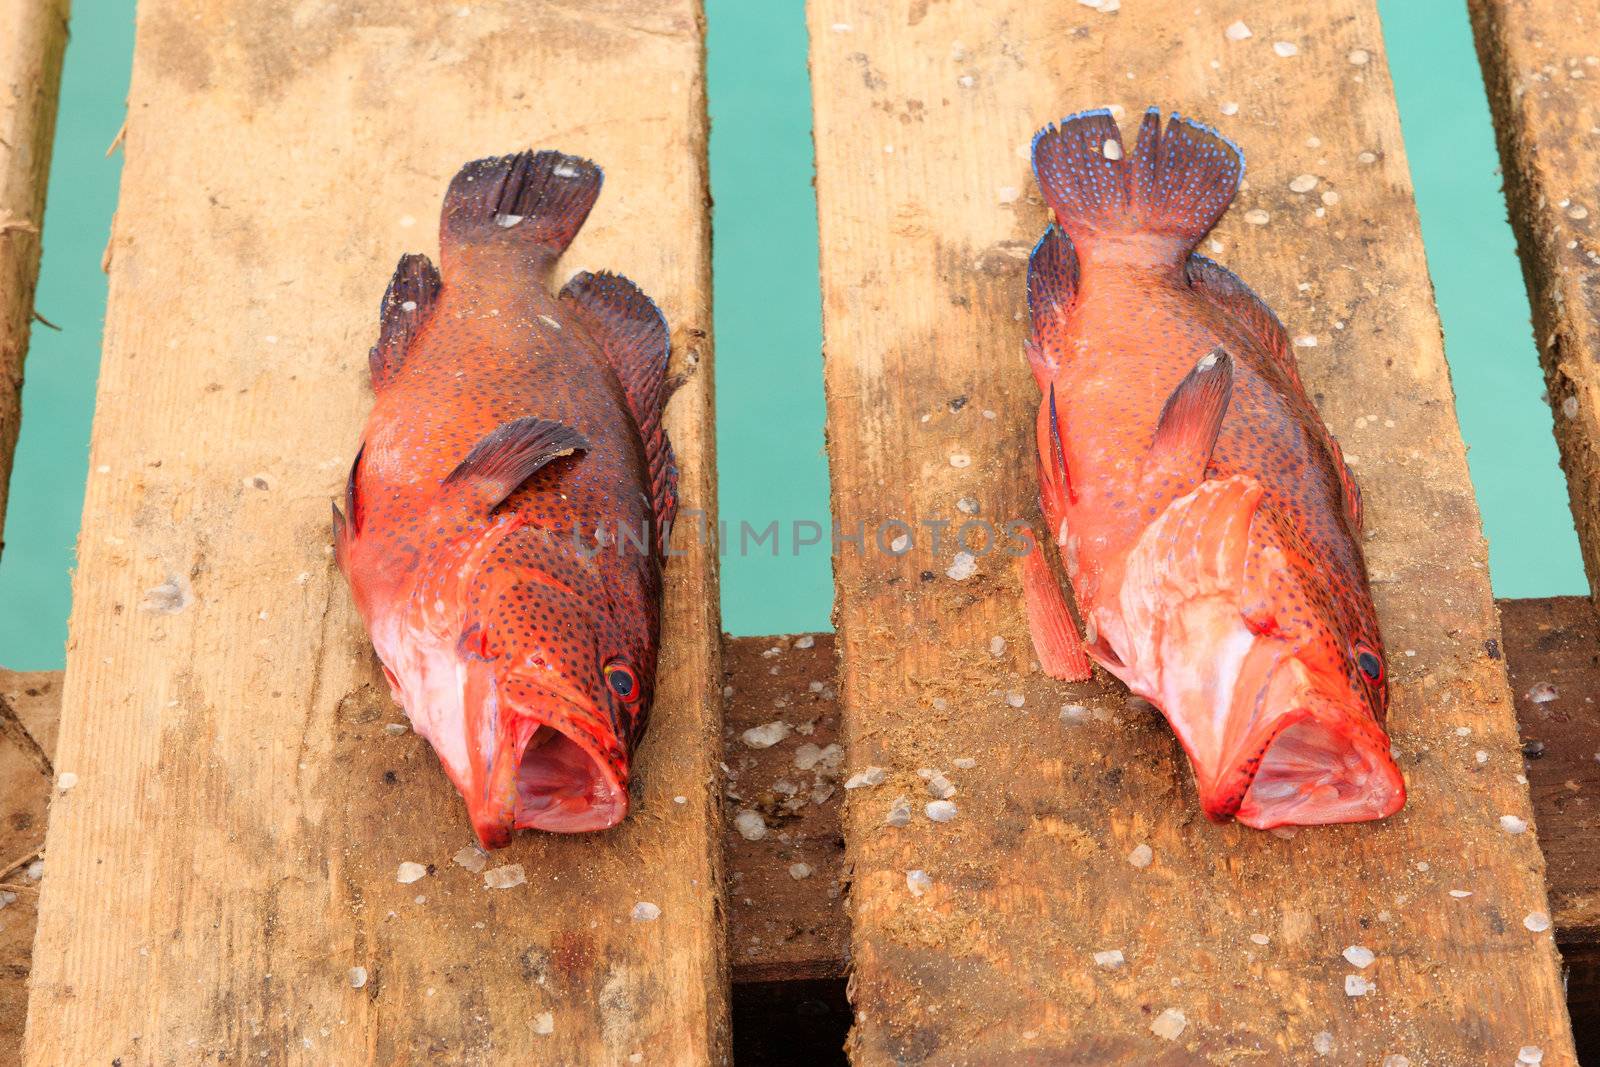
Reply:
x=502, y=522
x=1203, y=512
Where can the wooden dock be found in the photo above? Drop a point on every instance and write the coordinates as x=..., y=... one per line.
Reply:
x=231, y=794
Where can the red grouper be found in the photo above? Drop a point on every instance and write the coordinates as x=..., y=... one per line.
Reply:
x=1200, y=507
x=505, y=516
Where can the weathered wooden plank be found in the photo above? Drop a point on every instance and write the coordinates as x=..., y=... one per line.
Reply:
x=1553, y=652
x=1541, y=65
x=229, y=851
x=923, y=117
x=30, y=706
x=31, y=48
x=786, y=920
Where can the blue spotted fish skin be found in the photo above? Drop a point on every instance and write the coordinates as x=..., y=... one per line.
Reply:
x=502, y=521
x=1124, y=316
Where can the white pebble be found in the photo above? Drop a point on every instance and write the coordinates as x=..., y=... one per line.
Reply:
x=1141, y=856
x=997, y=646
x=1359, y=956
x=1257, y=217
x=1308, y=340
x=358, y=977
x=472, y=858
x=1357, y=986
x=750, y=824
x=765, y=735
x=964, y=763
x=646, y=912
x=1530, y=1054
x=505, y=877
x=1237, y=32
x=410, y=872
x=544, y=1023
x=1286, y=48
x=1111, y=149
x=939, y=787
x=964, y=566
x=1109, y=958
x=66, y=780
x=899, y=813
x=870, y=776
x=1229, y=107
x=959, y=460
x=1511, y=824
x=1481, y=756
x=798, y=871
x=1322, y=1042
x=1359, y=57
x=1169, y=1024
x=35, y=870
x=967, y=505
x=1537, y=921
x=918, y=882
x=1542, y=693
x=1461, y=894
x=1015, y=699
x=1569, y=407
x=940, y=810
x=1303, y=183
x=1261, y=939
x=804, y=641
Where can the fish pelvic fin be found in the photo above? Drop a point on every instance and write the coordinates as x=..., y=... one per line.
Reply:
x=1191, y=419
x=1055, y=636
x=507, y=456
x=538, y=199
x=407, y=305
x=633, y=335
x=1170, y=190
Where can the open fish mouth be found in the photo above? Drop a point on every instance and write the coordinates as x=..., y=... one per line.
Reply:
x=566, y=788
x=1317, y=772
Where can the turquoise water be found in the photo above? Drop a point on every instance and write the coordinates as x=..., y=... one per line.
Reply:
x=768, y=357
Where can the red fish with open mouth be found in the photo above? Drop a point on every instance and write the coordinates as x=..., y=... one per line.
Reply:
x=1200, y=507
x=505, y=517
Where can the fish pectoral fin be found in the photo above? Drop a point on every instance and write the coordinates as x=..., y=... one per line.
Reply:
x=634, y=337
x=509, y=455
x=347, y=525
x=1186, y=432
x=407, y=304
x=1056, y=640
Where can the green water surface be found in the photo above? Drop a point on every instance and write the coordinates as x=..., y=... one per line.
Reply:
x=768, y=334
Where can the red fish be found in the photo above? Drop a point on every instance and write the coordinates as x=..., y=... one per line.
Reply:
x=1203, y=512
x=505, y=515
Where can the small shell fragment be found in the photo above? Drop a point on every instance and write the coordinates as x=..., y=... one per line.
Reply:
x=1359, y=956
x=1513, y=824
x=899, y=813
x=866, y=777
x=940, y=810
x=505, y=877
x=410, y=872
x=1285, y=49
x=1109, y=958
x=1357, y=986
x=1141, y=856
x=750, y=824
x=645, y=912
x=544, y=1023
x=1169, y=1024
x=918, y=882
x=358, y=977
x=962, y=567
x=766, y=735
x=472, y=858
x=1537, y=921
x=1237, y=32
x=797, y=871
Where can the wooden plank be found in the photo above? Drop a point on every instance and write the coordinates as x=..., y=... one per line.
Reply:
x=30, y=706
x=923, y=117
x=1553, y=651
x=786, y=920
x=30, y=84
x=229, y=851
x=1541, y=65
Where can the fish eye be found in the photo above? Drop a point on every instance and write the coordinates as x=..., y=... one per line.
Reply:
x=623, y=682
x=1370, y=664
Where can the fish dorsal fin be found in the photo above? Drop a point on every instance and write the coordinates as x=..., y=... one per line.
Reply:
x=1244, y=308
x=633, y=335
x=407, y=303
x=1052, y=290
x=536, y=200
x=509, y=455
x=1190, y=420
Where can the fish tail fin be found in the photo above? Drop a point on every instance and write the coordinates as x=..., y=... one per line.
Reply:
x=533, y=198
x=1174, y=185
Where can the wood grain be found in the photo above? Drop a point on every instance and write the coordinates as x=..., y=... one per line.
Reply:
x=230, y=849
x=924, y=112
x=31, y=48
x=30, y=707
x=1541, y=65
